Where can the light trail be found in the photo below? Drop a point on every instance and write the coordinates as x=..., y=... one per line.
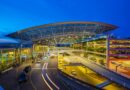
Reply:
x=46, y=82
x=52, y=82
x=43, y=68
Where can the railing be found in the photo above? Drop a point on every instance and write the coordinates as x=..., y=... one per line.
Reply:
x=108, y=74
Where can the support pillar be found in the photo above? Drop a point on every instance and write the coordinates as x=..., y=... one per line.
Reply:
x=107, y=50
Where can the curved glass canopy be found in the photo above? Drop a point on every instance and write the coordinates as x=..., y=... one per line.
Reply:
x=64, y=32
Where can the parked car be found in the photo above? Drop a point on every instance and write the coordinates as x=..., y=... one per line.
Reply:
x=73, y=72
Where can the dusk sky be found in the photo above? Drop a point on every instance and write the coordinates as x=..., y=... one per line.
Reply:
x=20, y=14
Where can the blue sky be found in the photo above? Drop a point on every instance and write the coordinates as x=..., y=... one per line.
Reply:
x=20, y=14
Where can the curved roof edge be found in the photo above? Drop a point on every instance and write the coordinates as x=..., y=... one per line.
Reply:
x=67, y=22
x=7, y=40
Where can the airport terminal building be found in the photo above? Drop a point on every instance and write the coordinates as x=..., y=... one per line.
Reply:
x=93, y=38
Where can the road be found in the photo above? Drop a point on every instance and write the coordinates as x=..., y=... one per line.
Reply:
x=36, y=81
x=50, y=75
x=43, y=76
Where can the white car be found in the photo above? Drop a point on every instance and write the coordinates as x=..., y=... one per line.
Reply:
x=39, y=61
x=73, y=72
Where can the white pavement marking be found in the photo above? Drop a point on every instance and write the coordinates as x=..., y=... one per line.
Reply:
x=50, y=79
x=43, y=68
x=46, y=65
x=46, y=83
x=52, y=82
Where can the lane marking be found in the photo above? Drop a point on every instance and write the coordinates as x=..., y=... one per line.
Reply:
x=52, y=82
x=43, y=68
x=50, y=79
x=46, y=65
x=47, y=83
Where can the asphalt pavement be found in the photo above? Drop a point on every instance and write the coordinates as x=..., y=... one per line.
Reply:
x=36, y=81
x=43, y=76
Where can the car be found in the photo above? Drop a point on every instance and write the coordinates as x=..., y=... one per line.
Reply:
x=39, y=61
x=27, y=69
x=73, y=72
x=22, y=77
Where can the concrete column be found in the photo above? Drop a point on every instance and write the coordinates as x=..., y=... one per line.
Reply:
x=107, y=50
